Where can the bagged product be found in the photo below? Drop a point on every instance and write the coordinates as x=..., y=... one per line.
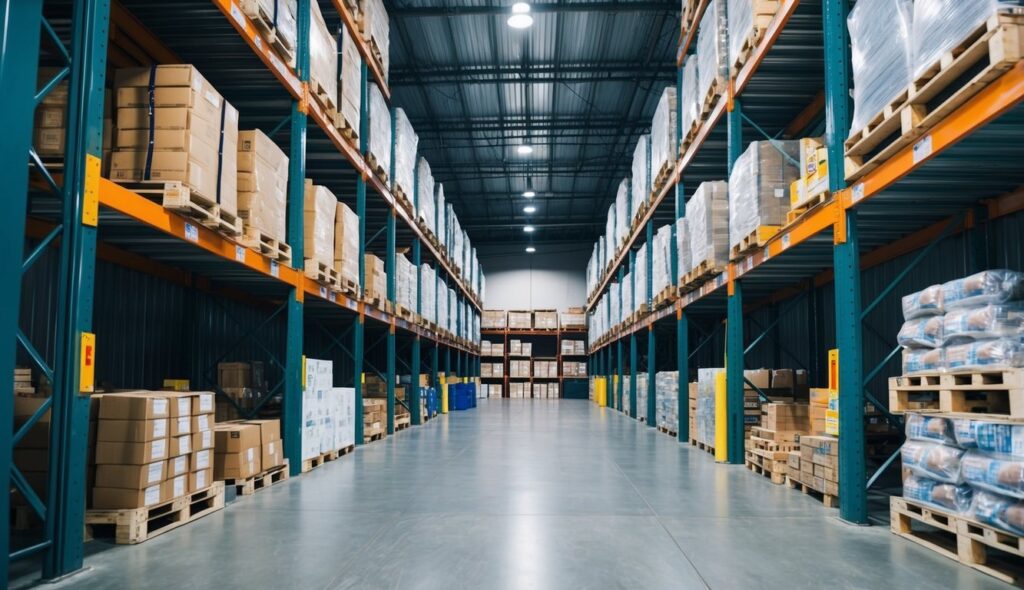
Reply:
x=933, y=460
x=923, y=360
x=984, y=354
x=926, y=302
x=880, y=40
x=981, y=323
x=924, y=332
x=930, y=428
x=999, y=511
x=944, y=495
x=1003, y=475
x=990, y=286
x=989, y=437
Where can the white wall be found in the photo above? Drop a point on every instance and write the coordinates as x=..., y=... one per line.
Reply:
x=554, y=277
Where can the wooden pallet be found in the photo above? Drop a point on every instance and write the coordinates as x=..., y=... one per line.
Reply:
x=347, y=286
x=715, y=91
x=402, y=422
x=976, y=545
x=702, y=273
x=135, y=525
x=403, y=199
x=983, y=56
x=272, y=248
x=998, y=392
x=777, y=477
x=325, y=457
x=323, y=273
x=705, y=447
x=377, y=168
x=757, y=239
x=771, y=446
x=250, y=485
x=764, y=12
x=265, y=24
x=404, y=312
x=667, y=296
x=662, y=177
x=178, y=196
x=798, y=211
x=667, y=431
x=828, y=500
x=327, y=102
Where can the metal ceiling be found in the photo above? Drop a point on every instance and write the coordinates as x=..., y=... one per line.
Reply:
x=582, y=84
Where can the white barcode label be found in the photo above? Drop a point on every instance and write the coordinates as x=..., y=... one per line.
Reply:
x=202, y=459
x=239, y=253
x=323, y=292
x=858, y=192
x=236, y=14
x=184, y=406
x=206, y=402
x=250, y=454
x=160, y=428
x=160, y=407
x=923, y=148
x=191, y=232
x=179, y=486
x=154, y=473
x=203, y=421
x=200, y=479
x=179, y=465
x=274, y=271
x=152, y=495
x=258, y=41
x=184, y=444
x=785, y=241
x=159, y=449
x=332, y=297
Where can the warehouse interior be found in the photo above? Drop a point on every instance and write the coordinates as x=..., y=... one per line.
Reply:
x=409, y=293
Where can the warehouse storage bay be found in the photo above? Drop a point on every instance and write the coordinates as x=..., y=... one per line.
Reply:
x=393, y=293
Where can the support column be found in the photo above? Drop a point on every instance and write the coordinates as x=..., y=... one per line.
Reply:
x=360, y=322
x=392, y=273
x=633, y=411
x=414, y=365
x=682, y=321
x=651, y=409
x=621, y=380
x=734, y=374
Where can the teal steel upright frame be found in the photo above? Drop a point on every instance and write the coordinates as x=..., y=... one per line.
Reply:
x=633, y=353
x=415, y=363
x=292, y=403
x=652, y=419
x=20, y=24
x=682, y=321
x=734, y=338
x=846, y=259
x=392, y=275
x=359, y=327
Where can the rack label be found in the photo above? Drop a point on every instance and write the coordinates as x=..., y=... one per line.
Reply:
x=191, y=232
x=236, y=14
x=239, y=253
x=323, y=292
x=923, y=148
x=858, y=192
x=87, y=369
x=332, y=297
x=785, y=241
x=274, y=270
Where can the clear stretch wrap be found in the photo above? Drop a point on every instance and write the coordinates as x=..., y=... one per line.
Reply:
x=262, y=184
x=440, y=295
x=984, y=355
x=926, y=332
x=617, y=304
x=323, y=55
x=641, y=394
x=425, y=194
x=376, y=29
x=406, y=144
x=880, y=38
x=712, y=51
x=930, y=428
x=940, y=25
x=759, y=187
x=923, y=360
x=666, y=389
x=981, y=323
x=627, y=389
x=663, y=134
x=932, y=460
x=428, y=300
x=662, y=259
x=999, y=511
x=346, y=243
x=380, y=128
x=989, y=286
x=926, y=302
x=453, y=308
x=948, y=496
x=741, y=26
x=319, y=206
x=407, y=288
x=440, y=226
x=623, y=215
x=282, y=19
x=705, y=418
x=998, y=438
x=640, y=181
x=1003, y=475
x=629, y=294
x=707, y=215
x=349, y=80
x=612, y=240
x=691, y=104
x=641, y=292
x=683, y=248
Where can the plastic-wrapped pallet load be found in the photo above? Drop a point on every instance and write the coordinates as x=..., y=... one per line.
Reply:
x=425, y=194
x=712, y=52
x=611, y=237
x=924, y=303
x=940, y=25
x=641, y=289
x=641, y=394
x=759, y=187
x=323, y=58
x=641, y=172
x=666, y=387
x=349, y=81
x=682, y=246
x=691, y=103
x=662, y=260
x=629, y=295
x=706, y=405
x=428, y=283
x=346, y=243
x=740, y=16
x=262, y=184
x=623, y=215
x=375, y=29
x=990, y=286
x=1004, y=320
x=880, y=40
x=379, y=146
x=406, y=144
x=319, y=208
x=617, y=305
x=707, y=215
x=440, y=206
x=663, y=135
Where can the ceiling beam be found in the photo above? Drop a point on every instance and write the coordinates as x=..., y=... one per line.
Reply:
x=536, y=73
x=559, y=7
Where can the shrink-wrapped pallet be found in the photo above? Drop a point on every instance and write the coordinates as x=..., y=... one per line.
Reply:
x=628, y=292
x=941, y=25
x=428, y=301
x=641, y=173
x=611, y=237
x=440, y=207
x=707, y=215
x=740, y=14
x=923, y=360
x=425, y=194
x=705, y=420
x=376, y=30
x=323, y=58
x=932, y=460
x=641, y=394
x=947, y=496
x=441, y=298
x=712, y=51
x=641, y=289
x=999, y=511
x=667, y=392
x=923, y=332
x=691, y=103
x=616, y=304
x=993, y=473
x=623, y=215
x=926, y=302
x=262, y=184
x=661, y=257
x=379, y=145
x=349, y=81
x=759, y=187
x=1004, y=320
x=984, y=355
x=682, y=249
x=663, y=135
x=880, y=41
x=990, y=286
x=319, y=208
x=406, y=144
x=346, y=243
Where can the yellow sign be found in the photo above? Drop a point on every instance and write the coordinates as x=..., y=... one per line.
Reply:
x=832, y=412
x=87, y=361
x=91, y=196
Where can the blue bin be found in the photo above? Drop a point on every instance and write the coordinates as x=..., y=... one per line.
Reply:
x=461, y=396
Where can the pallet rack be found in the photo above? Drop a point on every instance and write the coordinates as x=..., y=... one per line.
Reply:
x=543, y=336
x=903, y=208
x=76, y=220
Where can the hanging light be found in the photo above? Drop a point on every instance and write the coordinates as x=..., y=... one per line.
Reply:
x=524, y=150
x=529, y=209
x=530, y=249
x=529, y=194
x=520, y=18
x=528, y=229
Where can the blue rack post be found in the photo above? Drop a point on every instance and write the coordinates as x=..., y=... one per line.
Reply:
x=682, y=334
x=415, y=364
x=651, y=409
x=734, y=346
x=359, y=327
x=633, y=413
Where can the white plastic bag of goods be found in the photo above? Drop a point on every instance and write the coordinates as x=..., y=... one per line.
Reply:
x=707, y=215
x=663, y=134
x=989, y=286
x=682, y=248
x=1004, y=320
x=880, y=40
x=406, y=144
x=319, y=207
x=691, y=102
x=926, y=302
x=376, y=29
x=984, y=355
x=662, y=260
x=262, y=184
x=641, y=172
x=712, y=51
x=941, y=25
x=323, y=56
x=759, y=186
x=425, y=194
x=641, y=292
x=623, y=215
x=346, y=243
x=349, y=80
x=380, y=129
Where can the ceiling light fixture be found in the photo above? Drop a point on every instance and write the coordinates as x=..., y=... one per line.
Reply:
x=530, y=249
x=520, y=18
x=528, y=229
x=529, y=209
x=529, y=194
x=524, y=150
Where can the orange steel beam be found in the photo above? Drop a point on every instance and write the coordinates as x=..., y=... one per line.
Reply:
x=803, y=120
x=764, y=46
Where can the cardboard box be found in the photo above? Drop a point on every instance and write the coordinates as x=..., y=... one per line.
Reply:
x=793, y=462
x=203, y=439
x=819, y=396
x=131, y=453
x=181, y=425
x=375, y=283
x=493, y=319
x=272, y=455
x=202, y=422
x=760, y=378
x=319, y=208
x=131, y=430
x=237, y=465
x=202, y=459
x=139, y=405
x=174, y=487
x=179, y=445
x=179, y=465
x=120, y=498
x=200, y=480
x=131, y=477
x=346, y=243
x=238, y=450
x=203, y=403
x=262, y=184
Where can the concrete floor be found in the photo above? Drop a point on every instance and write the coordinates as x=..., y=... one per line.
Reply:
x=525, y=494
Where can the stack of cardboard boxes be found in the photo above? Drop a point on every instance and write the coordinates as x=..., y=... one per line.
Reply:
x=813, y=179
x=574, y=319
x=545, y=368
x=375, y=280
x=49, y=134
x=375, y=417
x=519, y=369
x=574, y=348
x=546, y=319
x=346, y=244
x=262, y=186
x=239, y=454
x=493, y=319
x=819, y=465
x=520, y=320
x=319, y=210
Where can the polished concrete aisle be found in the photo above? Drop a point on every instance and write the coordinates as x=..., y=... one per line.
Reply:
x=527, y=495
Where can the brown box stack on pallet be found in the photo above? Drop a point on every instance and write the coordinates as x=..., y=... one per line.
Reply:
x=519, y=369
x=319, y=209
x=239, y=450
x=517, y=390
x=374, y=417
x=375, y=387
x=262, y=185
x=49, y=134
x=493, y=319
x=520, y=320
x=819, y=464
x=818, y=408
x=545, y=319
x=192, y=138
x=243, y=383
x=760, y=378
x=375, y=281
x=203, y=441
x=271, y=445
x=574, y=319
x=346, y=243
